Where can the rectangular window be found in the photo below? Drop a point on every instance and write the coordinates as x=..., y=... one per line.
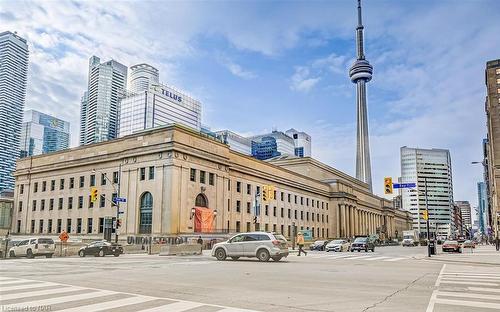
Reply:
x=289, y=213
x=249, y=189
x=92, y=180
x=68, y=225
x=289, y=198
x=295, y=201
x=307, y=202
x=71, y=183
x=312, y=202
x=49, y=226
x=33, y=206
x=70, y=202
x=274, y=228
x=248, y=207
x=82, y=181
x=238, y=227
x=192, y=175
x=307, y=216
x=151, y=173
x=326, y=206
x=228, y=204
x=79, y=225
x=211, y=179
x=52, y=185
x=91, y=203
x=102, y=201
x=42, y=204
x=20, y=206
x=295, y=214
x=103, y=179
x=238, y=187
x=202, y=176
x=21, y=188
x=40, y=226
x=248, y=226
x=282, y=196
x=267, y=211
x=101, y=225
x=60, y=205
x=301, y=215
x=115, y=177
x=326, y=218
x=257, y=189
x=32, y=226
x=274, y=194
x=89, y=225
x=289, y=230
x=301, y=200
x=142, y=174
x=18, y=226
x=317, y=203
x=266, y=227
x=238, y=206
x=80, y=202
x=44, y=186
x=274, y=211
x=322, y=205
x=228, y=185
x=61, y=184
x=282, y=229
x=59, y=225
x=35, y=187
x=282, y=212
x=51, y=204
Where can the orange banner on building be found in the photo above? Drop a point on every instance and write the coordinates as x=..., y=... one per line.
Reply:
x=203, y=220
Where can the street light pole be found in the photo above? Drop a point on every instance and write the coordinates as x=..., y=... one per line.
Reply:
x=117, y=202
x=428, y=229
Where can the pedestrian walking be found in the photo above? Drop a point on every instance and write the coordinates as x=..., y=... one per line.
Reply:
x=300, y=243
x=200, y=242
x=497, y=243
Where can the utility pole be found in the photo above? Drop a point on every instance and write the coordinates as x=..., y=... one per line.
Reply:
x=117, y=202
x=428, y=229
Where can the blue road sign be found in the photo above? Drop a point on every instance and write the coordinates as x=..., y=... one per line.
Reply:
x=120, y=200
x=404, y=185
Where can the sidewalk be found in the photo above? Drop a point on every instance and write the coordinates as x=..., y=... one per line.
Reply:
x=482, y=254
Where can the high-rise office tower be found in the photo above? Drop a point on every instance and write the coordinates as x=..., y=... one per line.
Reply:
x=465, y=211
x=430, y=169
x=13, y=79
x=42, y=133
x=141, y=77
x=482, y=211
x=302, y=142
x=107, y=81
x=83, y=116
x=492, y=106
x=361, y=73
x=271, y=145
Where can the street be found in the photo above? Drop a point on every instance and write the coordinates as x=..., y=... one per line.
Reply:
x=391, y=279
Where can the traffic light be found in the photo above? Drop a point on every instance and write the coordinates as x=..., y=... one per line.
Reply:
x=425, y=215
x=271, y=191
x=265, y=193
x=388, y=185
x=93, y=194
x=118, y=223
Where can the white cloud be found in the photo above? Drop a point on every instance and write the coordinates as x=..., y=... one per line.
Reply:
x=300, y=80
x=236, y=69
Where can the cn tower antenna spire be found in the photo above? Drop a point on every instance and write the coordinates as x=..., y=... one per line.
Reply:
x=361, y=73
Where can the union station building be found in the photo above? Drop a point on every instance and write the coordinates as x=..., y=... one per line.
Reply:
x=177, y=181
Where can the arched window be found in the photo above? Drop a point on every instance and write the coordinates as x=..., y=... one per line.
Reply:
x=146, y=213
x=201, y=201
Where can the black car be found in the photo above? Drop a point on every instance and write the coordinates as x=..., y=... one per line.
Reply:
x=318, y=245
x=100, y=249
x=363, y=243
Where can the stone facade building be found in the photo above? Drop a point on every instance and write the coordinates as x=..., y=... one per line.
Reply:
x=167, y=174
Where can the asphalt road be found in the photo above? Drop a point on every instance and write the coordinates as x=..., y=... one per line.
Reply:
x=391, y=279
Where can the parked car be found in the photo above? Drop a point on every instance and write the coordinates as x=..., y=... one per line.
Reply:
x=452, y=245
x=363, y=243
x=338, y=245
x=468, y=244
x=318, y=245
x=253, y=244
x=100, y=249
x=33, y=247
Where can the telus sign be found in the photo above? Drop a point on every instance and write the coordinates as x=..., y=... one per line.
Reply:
x=171, y=95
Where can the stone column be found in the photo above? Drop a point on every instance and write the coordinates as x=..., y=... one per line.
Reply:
x=352, y=222
x=338, y=222
x=343, y=220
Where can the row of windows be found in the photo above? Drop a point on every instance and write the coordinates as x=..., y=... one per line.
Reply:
x=50, y=203
x=282, y=212
x=56, y=226
x=203, y=176
x=318, y=232
x=71, y=182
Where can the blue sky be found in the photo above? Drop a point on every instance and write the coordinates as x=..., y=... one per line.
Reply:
x=259, y=65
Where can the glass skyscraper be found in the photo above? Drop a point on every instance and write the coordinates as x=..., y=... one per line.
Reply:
x=482, y=195
x=13, y=79
x=100, y=104
x=42, y=133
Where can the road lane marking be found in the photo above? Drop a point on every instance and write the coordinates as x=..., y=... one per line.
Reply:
x=174, y=307
x=467, y=283
x=468, y=295
x=475, y=304
x=394, y=259
x=361, y=257
x=57, y=300
x=484, y=289
x=376, y=258
x=118, y=303
x=32, y=285
x=39, y=293
x=481, y=277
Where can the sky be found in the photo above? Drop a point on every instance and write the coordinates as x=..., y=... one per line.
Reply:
x=263, y=65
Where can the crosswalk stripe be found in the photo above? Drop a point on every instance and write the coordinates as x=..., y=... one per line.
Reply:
x=3, y=278
x=33, y=285
x=235, y=310
x=174, y=307
x=485, y=289
x=393, y=259
x=2, y=283
x=469, y=273
x=361, y=257
x=475, y=304
x=40, y=293
x=111, y=304
x=467, y=283
x=467, y=295
x=478, y=277
x=58, y=300
x=376, y=258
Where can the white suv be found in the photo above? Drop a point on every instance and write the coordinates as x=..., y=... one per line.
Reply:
x=33, y=247
x=254, y=244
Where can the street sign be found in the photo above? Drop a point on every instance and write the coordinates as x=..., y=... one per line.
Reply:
x=404, y=185
x=120, y=200
x=63, y=236
x=121, y=212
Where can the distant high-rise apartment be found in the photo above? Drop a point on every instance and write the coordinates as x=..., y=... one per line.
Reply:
x=431, y=169
x=483, y=215
x=13, y=79
x=99, y=113
x=465, y=211
x=272, y=144
x=42, y=133
x=83, y=116
x=141, y=77
x=492, y=107
x=302, y=142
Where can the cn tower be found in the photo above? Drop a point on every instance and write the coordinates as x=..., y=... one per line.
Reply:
x=360, y=73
